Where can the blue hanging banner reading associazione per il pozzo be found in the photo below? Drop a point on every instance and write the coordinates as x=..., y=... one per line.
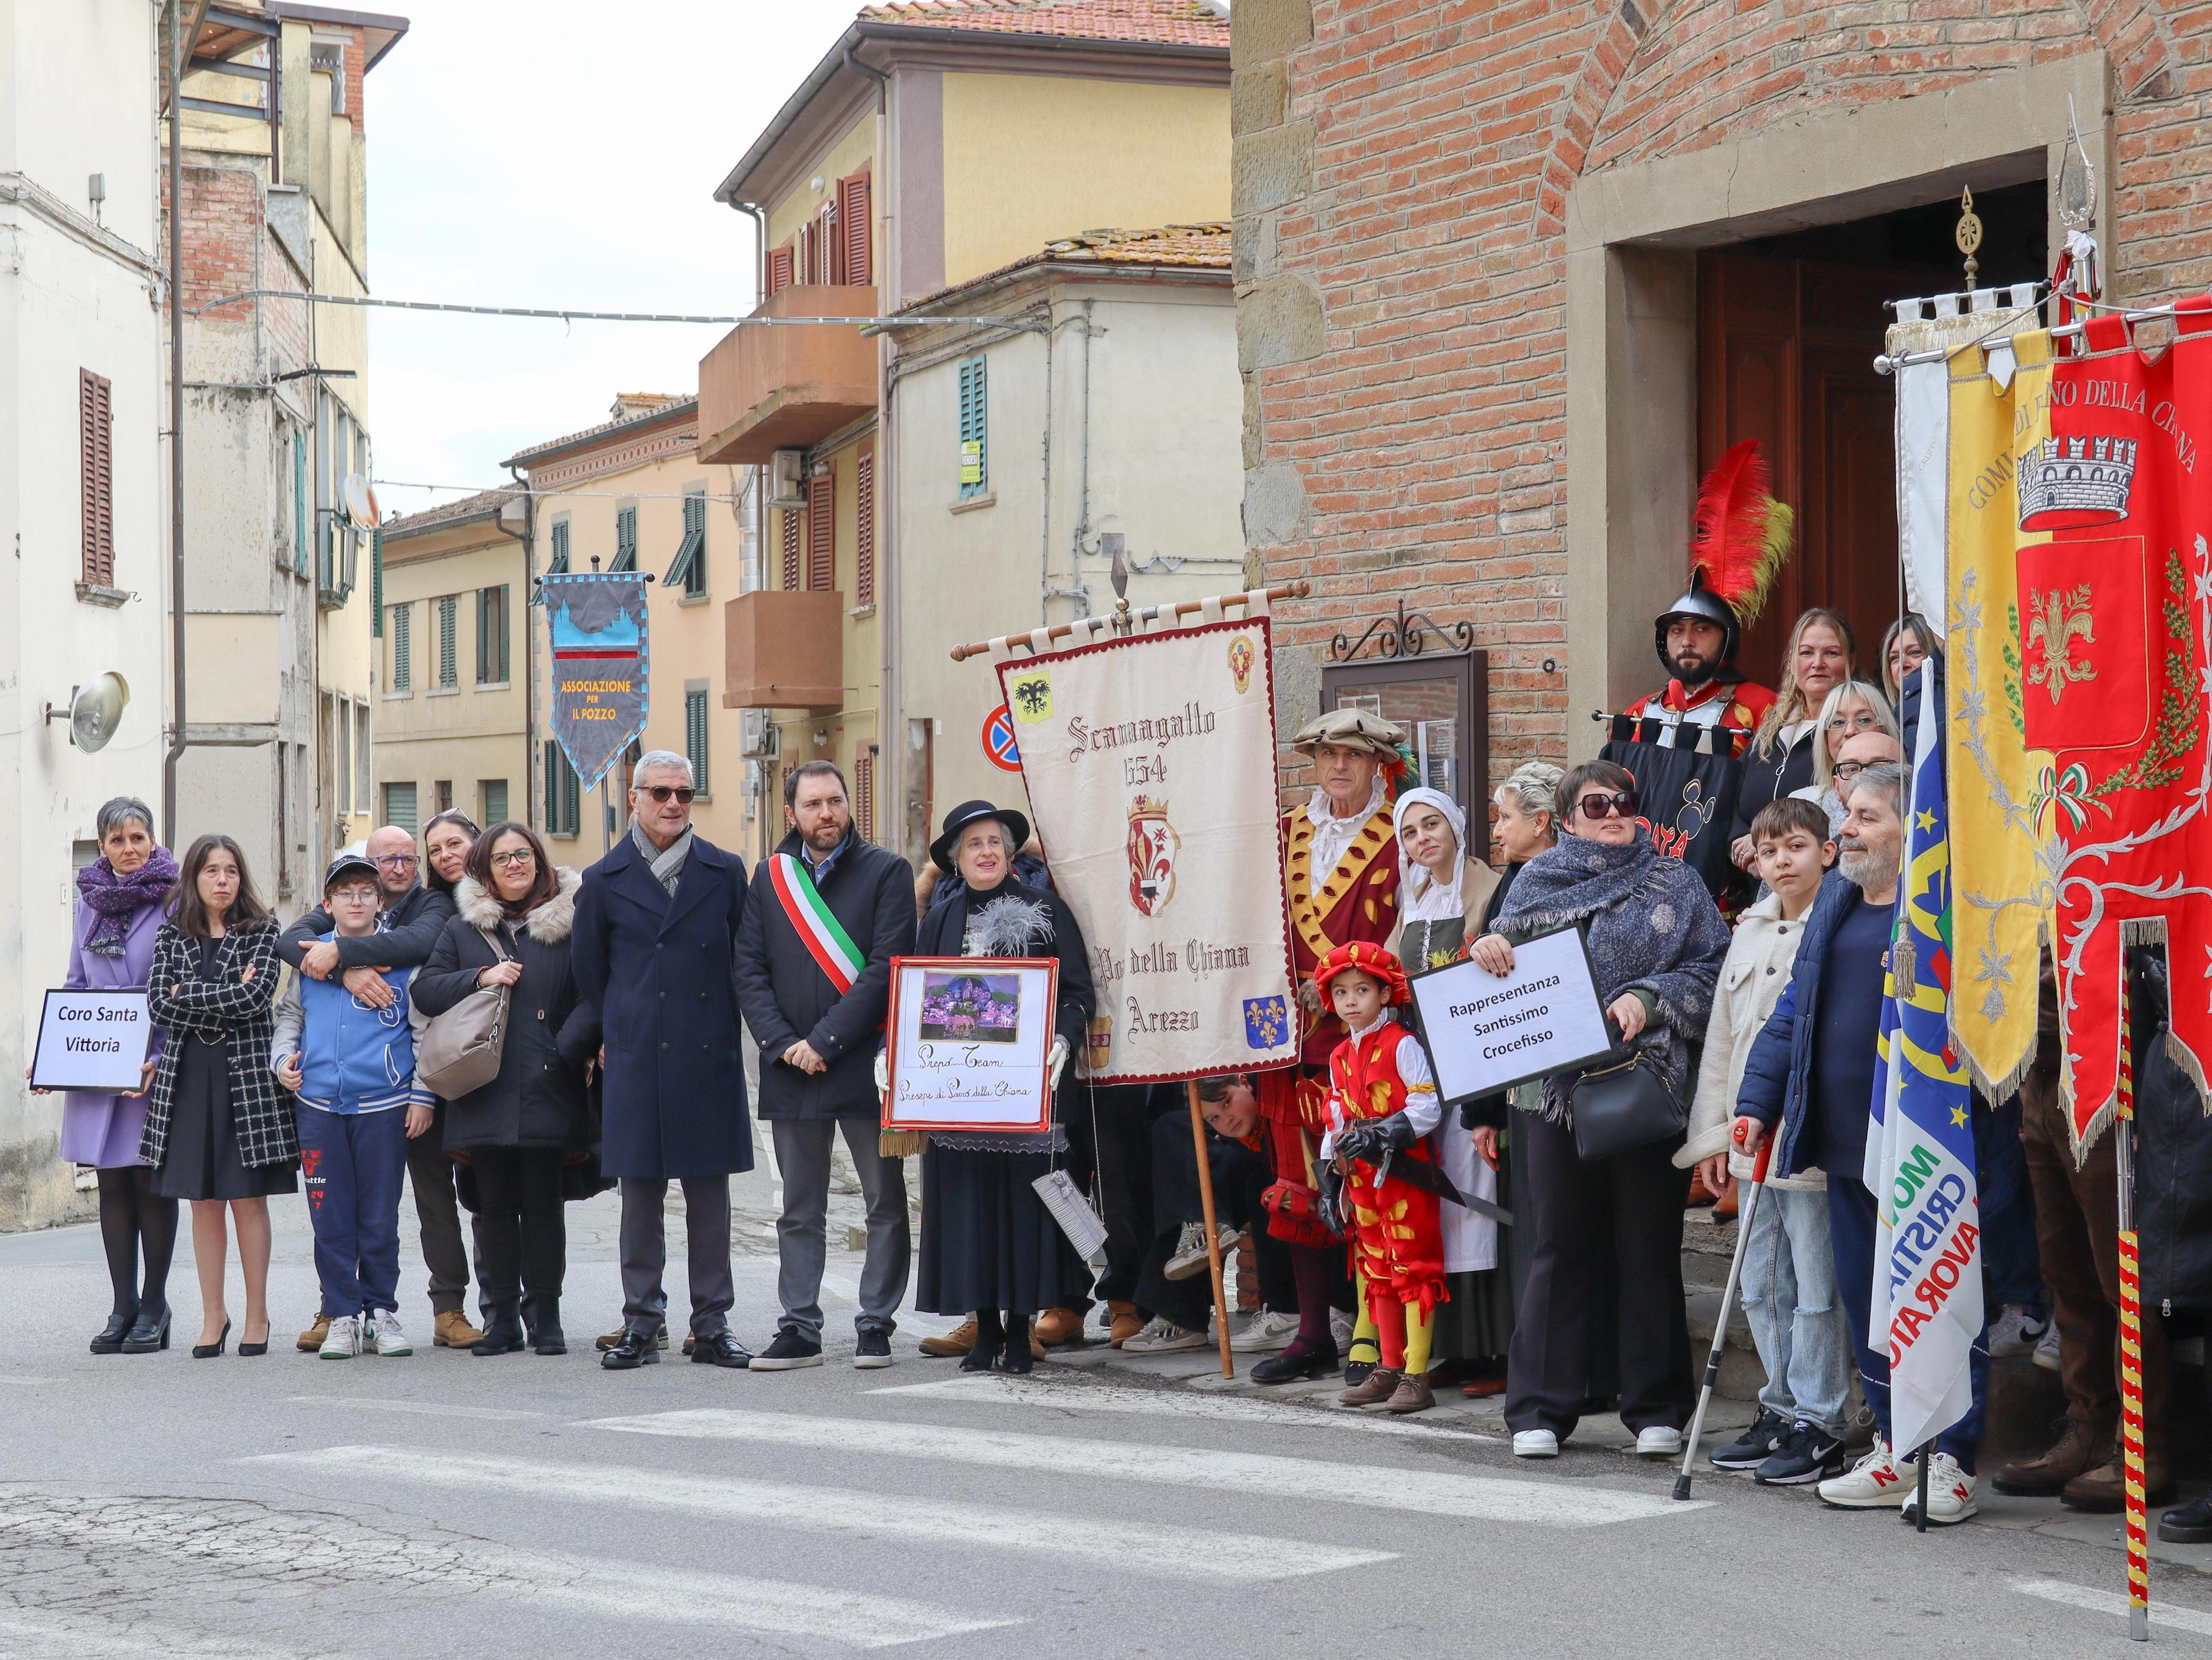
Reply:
x=598, y=624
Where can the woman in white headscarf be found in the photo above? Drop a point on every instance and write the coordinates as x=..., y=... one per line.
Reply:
x=1444, y=893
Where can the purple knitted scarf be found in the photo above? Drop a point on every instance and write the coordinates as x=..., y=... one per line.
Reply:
x=114, y=898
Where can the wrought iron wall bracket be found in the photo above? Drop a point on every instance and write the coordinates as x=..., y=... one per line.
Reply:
x=1405, y=634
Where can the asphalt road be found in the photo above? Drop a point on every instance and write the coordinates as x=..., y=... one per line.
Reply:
x=289, y=1506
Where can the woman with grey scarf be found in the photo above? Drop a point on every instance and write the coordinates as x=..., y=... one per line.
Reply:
x=1656, y=943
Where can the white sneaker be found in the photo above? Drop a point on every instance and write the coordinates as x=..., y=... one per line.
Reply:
x=1163, y=1337
x=1340, y=1326
x=2015, y=1331
x=1191, y=1258
x=1876, y=1483
x=1535, y=1444
x=2046, y=1350
x=1659, y=1441
x=1951, y=1494
x=381, y=1335
x=1265, y=1333
x=344, y=1340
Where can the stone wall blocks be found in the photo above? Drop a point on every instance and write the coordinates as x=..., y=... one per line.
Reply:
x=1279, y=321
x=1258, y=97
x=1262, y=29
x=1270, y=168
x=1276, y=508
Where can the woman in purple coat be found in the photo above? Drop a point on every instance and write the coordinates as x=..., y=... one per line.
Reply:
x=120, y=897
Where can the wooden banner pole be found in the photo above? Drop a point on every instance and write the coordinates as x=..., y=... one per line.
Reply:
x=1213, y=1234
x=1298, y=590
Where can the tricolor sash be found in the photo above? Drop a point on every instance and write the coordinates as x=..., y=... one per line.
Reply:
x=825, y=937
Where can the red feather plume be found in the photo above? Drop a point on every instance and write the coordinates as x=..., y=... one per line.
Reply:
x=1739, y=533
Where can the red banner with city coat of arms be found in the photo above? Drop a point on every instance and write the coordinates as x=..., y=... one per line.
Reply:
x=1150, y=762
x=2114, y=628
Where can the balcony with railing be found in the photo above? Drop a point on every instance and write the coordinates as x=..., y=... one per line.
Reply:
x=769, y=387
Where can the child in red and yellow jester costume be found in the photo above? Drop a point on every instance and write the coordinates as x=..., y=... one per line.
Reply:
x=1382, y=1104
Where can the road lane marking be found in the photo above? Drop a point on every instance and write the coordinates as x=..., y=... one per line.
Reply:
x=90, y=1640
x=1170, y=1403
x=1182, y=1552
x=2163, y=1616
x=421, y=1409
x=1474, y=1497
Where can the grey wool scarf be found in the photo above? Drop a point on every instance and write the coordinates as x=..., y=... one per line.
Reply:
x=1651, y=927
x=667, y=862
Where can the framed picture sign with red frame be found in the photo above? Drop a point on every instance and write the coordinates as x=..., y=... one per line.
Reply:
x=970, y=1044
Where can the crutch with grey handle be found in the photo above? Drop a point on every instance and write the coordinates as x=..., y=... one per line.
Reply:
x=1728, y=1302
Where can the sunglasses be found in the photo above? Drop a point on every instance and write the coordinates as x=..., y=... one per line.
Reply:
x=682, y=792
x=1606, y=806
x=515, y=856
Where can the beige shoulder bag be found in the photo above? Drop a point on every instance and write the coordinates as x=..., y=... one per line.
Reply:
x=460, y=1049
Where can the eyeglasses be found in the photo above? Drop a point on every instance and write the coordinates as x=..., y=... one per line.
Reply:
x=515, y=856
x=682, y=792
x=1850, y=768
x=1605, y=806
x=398, y=862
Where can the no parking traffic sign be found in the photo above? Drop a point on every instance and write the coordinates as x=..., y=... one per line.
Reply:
x=998, y=740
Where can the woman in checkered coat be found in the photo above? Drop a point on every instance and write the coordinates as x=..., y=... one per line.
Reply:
x=219, y=1126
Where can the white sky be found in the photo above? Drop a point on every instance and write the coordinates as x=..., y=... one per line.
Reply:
x=559, y=154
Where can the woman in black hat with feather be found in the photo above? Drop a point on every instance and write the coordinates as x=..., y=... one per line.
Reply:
x=988, y=1246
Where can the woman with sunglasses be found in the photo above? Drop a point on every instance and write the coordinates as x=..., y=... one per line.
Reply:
x=521, y=1131
x=1656, y=942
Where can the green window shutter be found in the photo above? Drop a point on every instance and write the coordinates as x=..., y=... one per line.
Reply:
x=974, y=437
x=449, y=628
x=552, y=820
x=695, y=738
x=559, y=567
x=483, y=635
x=506, y=632
x=403, y=647
x=376, y=580
x=495, y=801
x=625, y=539
x=399, y=806
x=689, y=570
x=572, y=797
x=300, y=503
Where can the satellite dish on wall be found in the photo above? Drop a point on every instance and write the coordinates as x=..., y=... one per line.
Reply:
x=359, y=501
x=97, y=709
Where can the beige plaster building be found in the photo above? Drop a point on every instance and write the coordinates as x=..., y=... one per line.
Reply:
x=453, y=715
x=632, y=494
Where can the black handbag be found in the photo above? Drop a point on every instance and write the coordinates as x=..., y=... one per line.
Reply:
x=1621, y=1105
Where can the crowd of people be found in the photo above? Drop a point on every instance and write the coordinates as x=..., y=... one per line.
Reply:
x=506, y=1036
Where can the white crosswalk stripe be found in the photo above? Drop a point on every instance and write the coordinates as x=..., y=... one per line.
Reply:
x=1000, y=1390
x=2164, y=1616
x=1474, y=1497
x=418, y=1409
x=1147, y=1548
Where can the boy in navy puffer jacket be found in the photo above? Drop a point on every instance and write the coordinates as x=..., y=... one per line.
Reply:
x=353, y=1068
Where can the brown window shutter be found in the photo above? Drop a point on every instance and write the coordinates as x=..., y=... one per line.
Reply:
x=831, y=224
x=96, y=448
x=779, y=274
x=821, y=532
x=864, y=796
x=854, y=224
x=864, y=538
x=790, y=549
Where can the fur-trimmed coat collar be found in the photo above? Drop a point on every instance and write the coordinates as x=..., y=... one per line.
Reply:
x=549, y=925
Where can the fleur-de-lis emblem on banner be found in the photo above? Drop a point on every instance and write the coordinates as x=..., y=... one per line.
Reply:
x=2055, y=621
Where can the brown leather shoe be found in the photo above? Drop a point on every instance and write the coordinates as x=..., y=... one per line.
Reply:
x=958, y=1341
x=1056, y=1328
x=312, y=1339
x=607, y=1340
x=452, y=1330
x=1372, y=1390
x=2104, y=1490
x=1412, y=1395
x=2080, y=1449
x=1127, y=1323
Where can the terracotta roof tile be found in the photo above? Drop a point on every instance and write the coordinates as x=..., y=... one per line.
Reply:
x=1200, y=247
x=1173, y=22
x=446, y=512
x=631, y=408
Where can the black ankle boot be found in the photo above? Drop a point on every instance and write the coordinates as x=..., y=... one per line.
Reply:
x=546, y=1336
x=110, y=1341
x=1018, y=1358
x=503, y=1332
x=990, y=1339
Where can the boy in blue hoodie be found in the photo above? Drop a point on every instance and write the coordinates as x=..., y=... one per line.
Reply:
x=353, y=1068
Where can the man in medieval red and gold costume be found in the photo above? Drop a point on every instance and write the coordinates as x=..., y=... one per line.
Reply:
x=1340, y=873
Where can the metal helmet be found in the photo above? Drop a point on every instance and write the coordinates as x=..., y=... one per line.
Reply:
x=1701, y=603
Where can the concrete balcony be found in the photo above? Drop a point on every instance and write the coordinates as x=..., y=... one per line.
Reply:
x=784, y=650
x=764, y=389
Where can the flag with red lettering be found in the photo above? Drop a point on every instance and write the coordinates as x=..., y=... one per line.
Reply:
x=1927, y=1304
x=2115, y=635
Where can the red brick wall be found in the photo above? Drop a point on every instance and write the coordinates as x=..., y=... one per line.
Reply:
x=222, y=218
x=1429, y=431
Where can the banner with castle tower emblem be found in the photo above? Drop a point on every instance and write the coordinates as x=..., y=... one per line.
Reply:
x=2114, y=639
x=1149, y=756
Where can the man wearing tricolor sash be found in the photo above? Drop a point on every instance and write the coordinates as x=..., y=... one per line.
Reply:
x=826, y=913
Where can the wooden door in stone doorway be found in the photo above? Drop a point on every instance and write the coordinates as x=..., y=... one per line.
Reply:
x=1785, y=354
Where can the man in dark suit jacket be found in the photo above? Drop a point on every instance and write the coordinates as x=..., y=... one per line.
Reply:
x=655, y=922
x=814, y=988
x=414, y=915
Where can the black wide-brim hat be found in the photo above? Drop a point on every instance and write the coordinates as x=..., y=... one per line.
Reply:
x=970, y=813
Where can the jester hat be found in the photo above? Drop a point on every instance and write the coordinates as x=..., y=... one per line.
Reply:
x=1370, y=960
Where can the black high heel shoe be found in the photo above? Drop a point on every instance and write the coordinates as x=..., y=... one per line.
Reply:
x=149, y=1333
x=984, y=1355
x=210, y=1351
x=247, y=1351
x=110, y=1341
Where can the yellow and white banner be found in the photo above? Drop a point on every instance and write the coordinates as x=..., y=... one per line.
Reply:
x=1150, y=763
